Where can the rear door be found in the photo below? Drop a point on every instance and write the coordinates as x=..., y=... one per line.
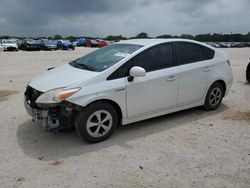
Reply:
x=194, y=71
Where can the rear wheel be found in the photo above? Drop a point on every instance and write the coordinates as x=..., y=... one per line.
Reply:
x=214, y=97
x=248, y=73
x=96, y=122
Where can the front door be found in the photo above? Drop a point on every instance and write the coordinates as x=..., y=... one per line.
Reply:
x=157, y=90
x=154, y=92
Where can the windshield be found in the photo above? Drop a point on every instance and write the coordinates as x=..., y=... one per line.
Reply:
x=106, y=57
x=9, y=41
x=66, y=42
x=48, y=42
x=34, y=42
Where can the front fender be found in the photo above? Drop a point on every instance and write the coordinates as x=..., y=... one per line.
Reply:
x=117, y=97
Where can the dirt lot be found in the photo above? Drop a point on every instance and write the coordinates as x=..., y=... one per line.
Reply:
x=191, y=148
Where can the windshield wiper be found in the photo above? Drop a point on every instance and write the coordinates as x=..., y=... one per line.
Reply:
x=82, y=66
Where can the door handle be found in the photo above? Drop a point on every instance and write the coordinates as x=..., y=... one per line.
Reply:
x=171, y=78
x=206, y=69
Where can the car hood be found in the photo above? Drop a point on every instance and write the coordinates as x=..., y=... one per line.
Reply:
x=61, y=76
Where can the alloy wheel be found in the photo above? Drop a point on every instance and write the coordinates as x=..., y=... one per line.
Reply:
x=99, y=123
x=215, y=96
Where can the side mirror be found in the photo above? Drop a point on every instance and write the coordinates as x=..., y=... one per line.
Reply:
x=136, y=72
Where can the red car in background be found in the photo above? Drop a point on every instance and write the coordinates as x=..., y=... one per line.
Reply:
x=103, y=43
x=91, y=43
x=96, y=43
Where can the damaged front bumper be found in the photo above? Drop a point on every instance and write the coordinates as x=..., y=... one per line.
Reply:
x=43, y=115
x=36, y=114
x=39, y=114
x=54, y=118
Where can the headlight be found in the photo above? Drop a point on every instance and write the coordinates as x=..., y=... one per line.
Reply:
x=55, y=96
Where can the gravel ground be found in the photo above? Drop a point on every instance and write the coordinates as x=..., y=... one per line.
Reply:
x=191, y=148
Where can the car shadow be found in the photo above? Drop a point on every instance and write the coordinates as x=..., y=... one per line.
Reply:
x=41, y=145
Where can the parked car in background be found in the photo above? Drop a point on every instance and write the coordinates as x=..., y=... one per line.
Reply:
x=65, y=45
x=238, y=45
x=248, y=71
x=97, y=43
x=30, y=45
x=102, y=43
x=81, y=42
x=102, y=89
x=46, y=44
x=9, y=45
x=74, y=43
x=224, y=45
x=214, y=44
x=247, y=44
x=91, y=43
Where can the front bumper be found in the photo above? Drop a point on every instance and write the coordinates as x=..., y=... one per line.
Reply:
x=54, y=118
x=37, y=114
x=51, y=121
x=10, y=48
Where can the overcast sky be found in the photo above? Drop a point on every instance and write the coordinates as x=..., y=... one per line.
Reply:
x=125, y=17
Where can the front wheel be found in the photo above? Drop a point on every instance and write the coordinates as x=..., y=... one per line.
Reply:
x=96, y=122
x=214, y=97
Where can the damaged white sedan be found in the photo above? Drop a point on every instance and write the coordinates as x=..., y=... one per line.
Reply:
x=126, y=82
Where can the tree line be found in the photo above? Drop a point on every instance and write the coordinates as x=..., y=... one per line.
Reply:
x=216, y=37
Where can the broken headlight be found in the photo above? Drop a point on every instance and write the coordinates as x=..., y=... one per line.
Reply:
x=56, y=96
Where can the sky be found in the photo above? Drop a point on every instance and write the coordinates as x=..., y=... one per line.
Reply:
x=126, y=17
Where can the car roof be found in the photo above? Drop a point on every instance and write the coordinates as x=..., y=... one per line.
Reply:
x=145, y=42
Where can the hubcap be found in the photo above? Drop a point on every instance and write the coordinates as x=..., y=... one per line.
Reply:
x=215, y=96
x=99, y=123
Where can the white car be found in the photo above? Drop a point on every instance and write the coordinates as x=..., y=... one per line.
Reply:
x=126, y=82
x=9, y=45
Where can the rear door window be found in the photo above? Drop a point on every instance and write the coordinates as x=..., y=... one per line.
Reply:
x=190, y=53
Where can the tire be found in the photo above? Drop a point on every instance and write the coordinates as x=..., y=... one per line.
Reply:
x=214, y=96
x=91, y=125
x=248, y=73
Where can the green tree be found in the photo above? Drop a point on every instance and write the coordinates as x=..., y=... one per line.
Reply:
x=115, y=38
x=187, y=36
x=142, y=35
x=58, y=37
x=71, y=38
x=164, y=36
